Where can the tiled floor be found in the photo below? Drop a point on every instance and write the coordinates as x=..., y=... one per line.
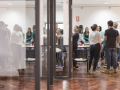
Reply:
x=80, y=81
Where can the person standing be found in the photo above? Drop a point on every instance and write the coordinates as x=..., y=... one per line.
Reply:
x=75, y=45
x=102, y=38
x=81, y=41
x=86, y=35
x=16, y=42
x=3, y=45
x=115, y=25
x=95, y=46
x=33, y=41
x=110, y=51
x=62, y=47
x=29, y=36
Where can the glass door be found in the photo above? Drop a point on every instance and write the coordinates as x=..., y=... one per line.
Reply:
x=62, y=42
x=17, y=53
x=43, y=44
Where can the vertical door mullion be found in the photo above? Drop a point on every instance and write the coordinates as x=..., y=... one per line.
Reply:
x=70, y=24
x=48, y=44
x=54, y=37
x=37, y=45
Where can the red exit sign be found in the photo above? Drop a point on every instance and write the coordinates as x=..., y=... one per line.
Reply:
x=77, y=18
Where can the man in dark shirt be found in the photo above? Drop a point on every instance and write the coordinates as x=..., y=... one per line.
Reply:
x=110, y=37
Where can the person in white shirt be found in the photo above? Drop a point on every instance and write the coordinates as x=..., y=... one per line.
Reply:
x=16, y=41
x=95, y=46
x=115, y=25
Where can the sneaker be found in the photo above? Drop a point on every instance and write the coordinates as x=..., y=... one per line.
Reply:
x=95, y=71
x=98, y=68
x=115, y=71
x=111, y=69
x=105, y=66
x=106, y=71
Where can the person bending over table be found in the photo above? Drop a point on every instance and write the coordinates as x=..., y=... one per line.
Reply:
x=75, y=40
x=95, y=46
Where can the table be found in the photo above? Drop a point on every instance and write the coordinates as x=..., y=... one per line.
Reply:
x=30, y=53
x=84, y=47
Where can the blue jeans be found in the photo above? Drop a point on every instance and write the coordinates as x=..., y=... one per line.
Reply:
x=119, y=55
x=28, y=42
x=111, y=52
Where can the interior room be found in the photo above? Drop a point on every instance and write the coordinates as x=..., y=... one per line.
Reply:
x=20, y=74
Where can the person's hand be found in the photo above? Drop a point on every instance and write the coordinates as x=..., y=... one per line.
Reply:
x=32, y=41
x=82, y=41
x=101, y=50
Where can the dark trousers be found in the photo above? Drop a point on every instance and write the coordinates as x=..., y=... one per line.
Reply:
x=102, y=54
x=94, y=54
x=74, y=62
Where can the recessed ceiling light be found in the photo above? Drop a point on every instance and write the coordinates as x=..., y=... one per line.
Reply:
x=106, y=2
x=100, y=2
x=10, y=3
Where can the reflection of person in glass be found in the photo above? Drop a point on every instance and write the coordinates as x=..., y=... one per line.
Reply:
x=33, y=41
x=62, y=47
x=3, y=45
x=29, y=36
x=16, y=46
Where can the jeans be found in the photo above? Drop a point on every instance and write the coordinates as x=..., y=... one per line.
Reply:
x=28, y=42
x=111, y=57
x=119, y=55
x=86, y=41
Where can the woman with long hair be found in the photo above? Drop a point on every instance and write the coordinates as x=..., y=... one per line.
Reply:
x=80, y=30
x=16, y=47
x=86, y=35
x=29, y=36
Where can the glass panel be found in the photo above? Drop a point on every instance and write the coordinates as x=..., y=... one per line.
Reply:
x=17, y=56
x=43, y=44
x=62, y=38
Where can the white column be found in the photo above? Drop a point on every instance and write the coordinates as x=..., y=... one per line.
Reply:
x=66, y=22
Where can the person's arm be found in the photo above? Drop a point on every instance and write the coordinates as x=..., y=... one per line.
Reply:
x=99, y=38
x=30, y=37
x=26, y=36
x=118, y=36
x=105, y=36
x=84, y=36
x=101, y=47
x=102, y=36
x=74, y=35
x=81, y=37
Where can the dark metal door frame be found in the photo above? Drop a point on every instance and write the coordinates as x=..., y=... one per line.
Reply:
x=37, y=45
x=63, y=77
x=51, y=29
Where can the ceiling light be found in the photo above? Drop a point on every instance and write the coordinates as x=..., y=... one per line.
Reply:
x=106, y=3
x=10, y=3
x=100, y=2
x=59, y=2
